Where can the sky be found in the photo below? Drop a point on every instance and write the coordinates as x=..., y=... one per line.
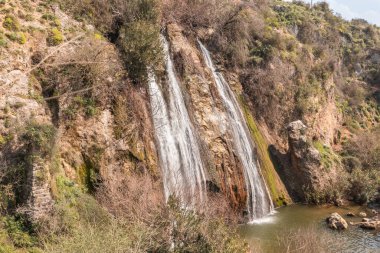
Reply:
x=349, y=9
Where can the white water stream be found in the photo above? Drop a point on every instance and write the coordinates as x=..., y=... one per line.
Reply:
x=259, y=203
x=183, y=172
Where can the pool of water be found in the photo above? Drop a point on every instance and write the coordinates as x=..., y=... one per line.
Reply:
x=353, y=240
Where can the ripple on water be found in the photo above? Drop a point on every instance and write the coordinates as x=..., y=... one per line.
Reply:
x=353, y=240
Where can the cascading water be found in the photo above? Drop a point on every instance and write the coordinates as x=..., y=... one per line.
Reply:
x=259, y=202
x=183, y=172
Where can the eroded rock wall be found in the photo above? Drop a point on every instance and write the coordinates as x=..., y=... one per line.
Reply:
x=225, y=169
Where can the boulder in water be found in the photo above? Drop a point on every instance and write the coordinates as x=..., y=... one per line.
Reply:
x=370, y=225
x=336, y=222
x=362, y=214
x=350, y=214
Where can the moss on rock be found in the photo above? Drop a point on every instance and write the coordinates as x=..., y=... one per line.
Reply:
x=276, y=188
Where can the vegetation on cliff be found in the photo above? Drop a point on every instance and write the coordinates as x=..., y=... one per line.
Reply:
x=86, y=68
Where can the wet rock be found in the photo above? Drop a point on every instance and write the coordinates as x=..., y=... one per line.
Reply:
x=350, y=214
x=362, y=214
x=336, y=222
x=370, y=225
x=374, y=212
x=365, y=220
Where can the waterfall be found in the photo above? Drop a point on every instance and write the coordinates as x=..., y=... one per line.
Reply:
x=259, y=202
x=183, y=172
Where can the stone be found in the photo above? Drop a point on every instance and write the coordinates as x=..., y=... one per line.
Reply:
x=365, y=220
x=339, y=202
x=305, y=160
x=374, y=212
x=336, y=222
x=370, y=225
x=350, y=214
x=362, y=214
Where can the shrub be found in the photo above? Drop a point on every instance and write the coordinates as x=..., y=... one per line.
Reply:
x=11, y=23
x=364, y=185
x=328, y=157
x=17, y=37
x=140, y=44
x=18, y=232
x=3, y=40
x=55, y=37
x=21, y=38
x=172, y=229
x=39, y=137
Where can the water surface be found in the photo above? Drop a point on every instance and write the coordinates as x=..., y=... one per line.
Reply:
x=353, y=240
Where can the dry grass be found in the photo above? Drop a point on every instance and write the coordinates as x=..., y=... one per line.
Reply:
x=310, y=240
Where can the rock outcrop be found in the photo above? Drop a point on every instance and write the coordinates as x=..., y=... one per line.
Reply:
x=117, y=139
x=313, y=172
x=304, y=158
x=225, y=172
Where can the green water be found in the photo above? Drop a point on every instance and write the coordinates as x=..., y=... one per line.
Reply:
x=353, y=240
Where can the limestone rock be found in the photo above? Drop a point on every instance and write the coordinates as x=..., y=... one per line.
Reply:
x=304, y=158
x=336, y=222
x=370, y=225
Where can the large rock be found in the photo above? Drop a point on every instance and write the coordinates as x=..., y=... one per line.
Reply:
x=370, y=225
x=313, y=175
x=335, y=221
x=305, y=160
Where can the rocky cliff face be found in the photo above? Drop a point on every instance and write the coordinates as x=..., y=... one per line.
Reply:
x=307, y=165
x=69, y=78
x=225, y=169
x=101, y=133
x=225, y=172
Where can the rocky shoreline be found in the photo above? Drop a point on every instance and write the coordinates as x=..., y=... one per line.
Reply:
x=369, y=221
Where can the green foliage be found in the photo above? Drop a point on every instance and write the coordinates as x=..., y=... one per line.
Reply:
x=362, y=161
x=2, y=140
x=328, y=157
x=81, y=103
x=3, y=40
x=330, y=194
x=364, y=185
x=140, y=44
x=172, y=229
x=39, y=137
x=17, y=37
x=19, y=232
x=55, y=37
x=11, y=23
x=261, y=51
x=88, y=176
